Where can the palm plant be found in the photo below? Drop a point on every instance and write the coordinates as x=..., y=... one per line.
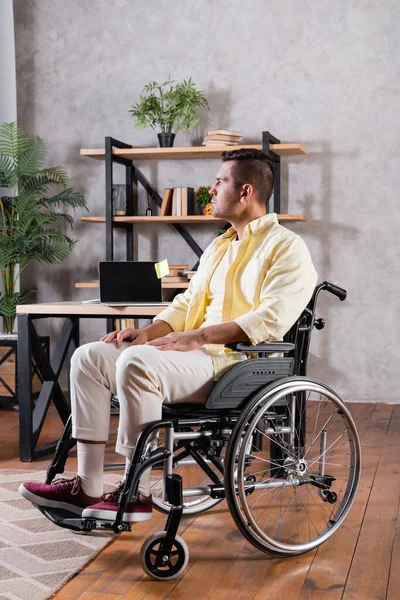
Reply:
x=27, y=212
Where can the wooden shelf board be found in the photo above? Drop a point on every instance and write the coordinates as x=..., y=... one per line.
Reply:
x=175, y=286
x=189, y=151
x=167, y=285
x=87, y=284
x=188, y=219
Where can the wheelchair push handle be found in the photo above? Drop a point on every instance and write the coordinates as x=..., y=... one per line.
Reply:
x=335, y=290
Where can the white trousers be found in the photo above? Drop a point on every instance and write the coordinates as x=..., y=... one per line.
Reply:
x=142, y=377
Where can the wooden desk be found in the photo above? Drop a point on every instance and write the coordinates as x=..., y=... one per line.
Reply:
x=31, y=418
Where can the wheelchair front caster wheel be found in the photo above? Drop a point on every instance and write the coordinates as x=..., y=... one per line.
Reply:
x=164, y=567
x=329, y=496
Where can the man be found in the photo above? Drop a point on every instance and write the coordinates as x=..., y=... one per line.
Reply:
x=251, y=285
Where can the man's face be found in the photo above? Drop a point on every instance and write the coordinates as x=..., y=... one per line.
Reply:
x=225, y=195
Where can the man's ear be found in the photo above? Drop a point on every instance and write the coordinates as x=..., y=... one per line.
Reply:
x=246, y=191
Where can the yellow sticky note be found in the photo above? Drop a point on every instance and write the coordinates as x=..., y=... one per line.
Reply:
x=162, y=268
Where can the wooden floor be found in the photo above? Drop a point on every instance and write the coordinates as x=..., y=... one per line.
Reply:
x=361, y=561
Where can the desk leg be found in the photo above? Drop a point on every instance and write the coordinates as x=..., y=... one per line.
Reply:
x=32, y=418
x=25, y=388
x=71, y=349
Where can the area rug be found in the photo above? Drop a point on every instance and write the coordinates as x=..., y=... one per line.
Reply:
x=37, y=557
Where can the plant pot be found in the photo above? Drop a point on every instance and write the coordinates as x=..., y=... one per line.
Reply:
x=166, y=140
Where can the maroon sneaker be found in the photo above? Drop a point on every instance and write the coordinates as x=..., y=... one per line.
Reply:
x=63, y=493
x=139, y=510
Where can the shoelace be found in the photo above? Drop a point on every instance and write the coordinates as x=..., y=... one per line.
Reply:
x=114, y=495
x=63, y=483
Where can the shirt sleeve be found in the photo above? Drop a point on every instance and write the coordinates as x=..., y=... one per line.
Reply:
x=175, y=314
x=285, y=293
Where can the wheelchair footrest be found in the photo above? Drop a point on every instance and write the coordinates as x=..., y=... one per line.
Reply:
x=69, y=520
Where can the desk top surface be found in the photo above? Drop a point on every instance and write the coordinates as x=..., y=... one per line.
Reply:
x=89, y=310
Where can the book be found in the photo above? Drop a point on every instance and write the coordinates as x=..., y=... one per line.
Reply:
x=177, y=270
x=176, y=210
x=178, y=202
x=224, y=132
x=222, y=137
x=217, y=143
x=172, y=279
x=190, y=274
x=166, y=202
x=187, y=201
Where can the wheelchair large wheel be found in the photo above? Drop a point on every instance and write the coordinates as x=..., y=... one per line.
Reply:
x=293, y=466
x=194, y=483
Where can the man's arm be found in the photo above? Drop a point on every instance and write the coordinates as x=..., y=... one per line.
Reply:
x=138, y=336
x=285, y=292
x=157, y=329
x=225, y=333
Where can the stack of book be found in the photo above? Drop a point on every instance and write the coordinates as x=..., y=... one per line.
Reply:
x=176, y=274
x=222, y=137
x=178, y=202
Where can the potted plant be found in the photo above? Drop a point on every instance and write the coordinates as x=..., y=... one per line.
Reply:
x=169, y=105
x=27, y=213
x=203, y=198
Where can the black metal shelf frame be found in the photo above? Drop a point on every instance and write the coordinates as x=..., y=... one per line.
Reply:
x=134, y=176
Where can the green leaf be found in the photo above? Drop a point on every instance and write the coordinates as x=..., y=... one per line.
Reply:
x=29, y=209
x=167, y=104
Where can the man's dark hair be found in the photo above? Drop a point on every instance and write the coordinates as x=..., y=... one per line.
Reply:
x=252, y=166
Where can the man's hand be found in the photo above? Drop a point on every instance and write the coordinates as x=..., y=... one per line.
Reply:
x=181, y=341
x=135, y=336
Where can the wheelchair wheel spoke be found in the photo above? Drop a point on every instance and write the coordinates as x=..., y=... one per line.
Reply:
x=195, y=481
x=267, y=437
x=298, y=484
x=281, y=515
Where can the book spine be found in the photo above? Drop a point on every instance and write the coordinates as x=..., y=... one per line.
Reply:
x=174, y=202
x=221, y=137
x=166, y=201
x=190, y=201
x=215, y=143
x=179, y=202
x=184, y=202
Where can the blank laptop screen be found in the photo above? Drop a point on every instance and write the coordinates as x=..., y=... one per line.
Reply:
x=129, y=282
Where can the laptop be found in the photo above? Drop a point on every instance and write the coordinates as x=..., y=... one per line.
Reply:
x=128, y=283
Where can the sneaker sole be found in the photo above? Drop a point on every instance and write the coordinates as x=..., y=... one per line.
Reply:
x=109, y=515
x=40, y=501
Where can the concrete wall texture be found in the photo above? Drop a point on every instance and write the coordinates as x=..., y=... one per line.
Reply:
x=322, y=73
x=8, y=87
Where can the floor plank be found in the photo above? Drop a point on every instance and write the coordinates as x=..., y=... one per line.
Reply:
x=359, y=562
x=333, y=559
x=378, y=427
x=369, y=571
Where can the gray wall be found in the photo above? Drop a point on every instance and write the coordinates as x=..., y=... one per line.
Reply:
x=8, y=92
x=322, y=73
x=8, y=86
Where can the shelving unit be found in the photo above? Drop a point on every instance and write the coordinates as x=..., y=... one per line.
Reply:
x=117, y=152
x=190, y=152
x=188, y=219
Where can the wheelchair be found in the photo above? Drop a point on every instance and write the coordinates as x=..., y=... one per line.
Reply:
x=280, y=447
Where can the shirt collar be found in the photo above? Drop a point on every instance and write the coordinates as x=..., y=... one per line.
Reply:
x=255, y=226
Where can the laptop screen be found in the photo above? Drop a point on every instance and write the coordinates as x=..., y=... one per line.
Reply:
x=129, y=281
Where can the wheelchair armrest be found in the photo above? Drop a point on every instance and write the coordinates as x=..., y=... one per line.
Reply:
x=266, y=347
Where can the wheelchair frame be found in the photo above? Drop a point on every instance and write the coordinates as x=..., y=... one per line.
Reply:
x=258, y=400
